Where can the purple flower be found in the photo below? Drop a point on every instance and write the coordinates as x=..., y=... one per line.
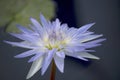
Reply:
x=52, y=41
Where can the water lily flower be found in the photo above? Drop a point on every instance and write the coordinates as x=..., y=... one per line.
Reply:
x=49, y=41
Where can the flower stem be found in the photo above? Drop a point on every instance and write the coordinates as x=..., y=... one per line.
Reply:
x=53, y=71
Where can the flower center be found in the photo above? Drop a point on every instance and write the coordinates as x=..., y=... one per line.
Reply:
x=55, y=40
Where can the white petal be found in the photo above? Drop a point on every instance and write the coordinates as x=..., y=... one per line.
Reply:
x=90, y=37
x=87, y=55
x=95, y=41
x=47, y=60
x=59, y=61
x=39, y=54
x=85, y=28
x=36, y=65
x=35, y=23
x=91, y=46
x=43, y=21
x=26, y=54
x=19, y=44
x=64, y=27
x=60, y=54
x=82, y=58
x=74, y=49
x=75, y=55
x=26, y=37
x=24, y=29
x=57, y=24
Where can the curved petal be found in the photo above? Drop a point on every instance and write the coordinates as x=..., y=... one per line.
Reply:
x=87, y=55
x=60, y=54
x=36, y=65
x=35, y=23
x=36, y=26
x=59, y=61
x=90, y=37
x=47, y=60
x=76, y=56
x=85, y=27
x=20, y=44
x=92, y=45
x=26, y=54
x=95, y=41
x=74, y=49
x=64, y=27
x=24, y=29
x=57, y=24
x=82, y=30
x=43, y=21
x=26, y=37
x=36, y=57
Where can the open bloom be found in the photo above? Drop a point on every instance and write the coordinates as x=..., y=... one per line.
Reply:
x=49, y=41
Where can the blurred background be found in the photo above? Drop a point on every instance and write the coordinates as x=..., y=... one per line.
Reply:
x=106, y=15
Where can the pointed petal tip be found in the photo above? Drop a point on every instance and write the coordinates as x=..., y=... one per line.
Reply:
x=43, y=20
x=4, y=41
x=103, y=39
x=42, y=72
x=31, y=19
x=8, y=42
x=88, y=56
x=85, y=59
x=98, y=58
x=29, y=61
x=18, y=25
x=82, y=58
x=62, y=71
x=95, y=58
x=100, y=35
x=27, y=77
x=84, y=28
x=16, y=56
x=90, y=50
x=36, y=66
x=41, y=15
x=93, y=23
x=90, y=24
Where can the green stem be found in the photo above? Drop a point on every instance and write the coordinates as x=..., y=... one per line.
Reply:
x=53, y=71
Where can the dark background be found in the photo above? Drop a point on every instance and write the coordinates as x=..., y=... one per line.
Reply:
x=106, y=14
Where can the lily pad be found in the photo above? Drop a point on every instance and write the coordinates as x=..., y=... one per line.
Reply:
x=23, y=10
x=8, y=8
